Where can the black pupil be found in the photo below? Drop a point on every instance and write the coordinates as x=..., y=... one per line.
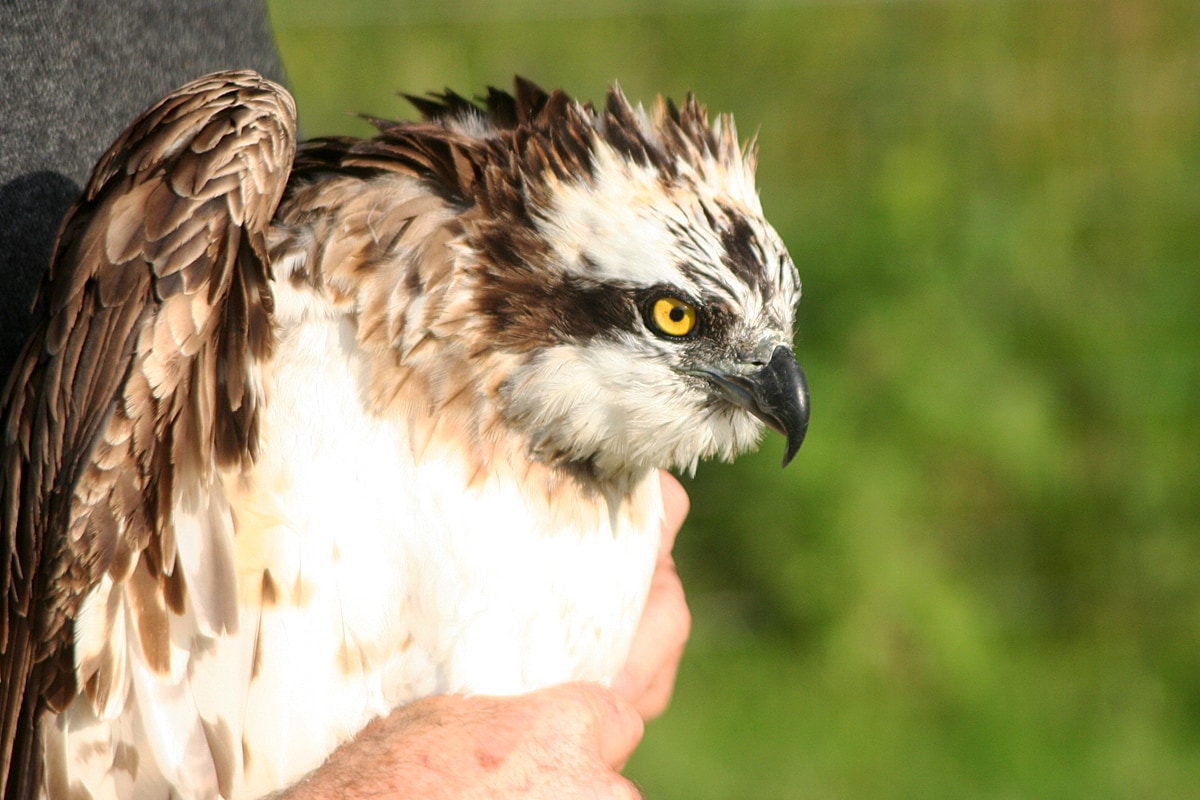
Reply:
x=676, y=314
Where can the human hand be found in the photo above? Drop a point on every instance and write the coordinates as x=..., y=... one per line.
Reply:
x=565, y=742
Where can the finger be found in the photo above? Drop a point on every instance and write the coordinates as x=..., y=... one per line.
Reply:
x=625, y=790
x=672, y=624
x=675, y=508
x=647, y=679
x=616, y=725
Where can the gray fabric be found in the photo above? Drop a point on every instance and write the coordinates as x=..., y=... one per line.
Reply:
x=73, y=75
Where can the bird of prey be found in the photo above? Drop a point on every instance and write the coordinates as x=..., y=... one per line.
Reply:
x=304, y=433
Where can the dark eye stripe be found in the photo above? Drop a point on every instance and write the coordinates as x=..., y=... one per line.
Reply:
x=527, y=313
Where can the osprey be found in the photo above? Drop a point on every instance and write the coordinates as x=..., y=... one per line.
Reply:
x=303, y=434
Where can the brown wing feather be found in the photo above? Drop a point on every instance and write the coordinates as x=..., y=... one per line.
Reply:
x=156, y=305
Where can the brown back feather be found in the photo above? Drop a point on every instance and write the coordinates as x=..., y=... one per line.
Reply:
x=156, y=298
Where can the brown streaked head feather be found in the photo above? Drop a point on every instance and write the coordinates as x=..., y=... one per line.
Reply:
x=527, y=136
x=527, y=259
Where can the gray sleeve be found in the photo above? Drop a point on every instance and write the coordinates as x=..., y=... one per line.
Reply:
x=73, y=74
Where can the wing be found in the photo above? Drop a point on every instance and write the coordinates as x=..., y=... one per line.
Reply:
x=136, y=389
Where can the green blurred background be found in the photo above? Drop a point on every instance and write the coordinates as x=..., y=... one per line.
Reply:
x=981, y=576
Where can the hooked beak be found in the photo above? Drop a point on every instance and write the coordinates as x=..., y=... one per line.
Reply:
x=777, y=394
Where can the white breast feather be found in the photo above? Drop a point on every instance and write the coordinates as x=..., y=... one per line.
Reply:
x=390, y=581
x=408, y=584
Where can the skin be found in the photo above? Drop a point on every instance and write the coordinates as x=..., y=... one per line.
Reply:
x=566, y=742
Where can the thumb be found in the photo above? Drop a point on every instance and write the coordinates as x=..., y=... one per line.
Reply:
x=616, y=725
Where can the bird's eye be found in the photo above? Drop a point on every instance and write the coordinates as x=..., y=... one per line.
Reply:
x=673, y=316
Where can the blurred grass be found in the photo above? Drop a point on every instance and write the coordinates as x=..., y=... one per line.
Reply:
x=980, y=577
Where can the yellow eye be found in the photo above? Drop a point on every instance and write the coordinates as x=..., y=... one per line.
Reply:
x=673, y=316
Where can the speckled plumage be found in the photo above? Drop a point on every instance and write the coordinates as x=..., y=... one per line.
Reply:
x=302, y=436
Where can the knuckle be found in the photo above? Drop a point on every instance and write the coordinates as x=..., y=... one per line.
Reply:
x=618, y=788
x=626, y=790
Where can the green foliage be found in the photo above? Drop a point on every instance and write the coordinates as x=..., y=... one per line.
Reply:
x=979, y=577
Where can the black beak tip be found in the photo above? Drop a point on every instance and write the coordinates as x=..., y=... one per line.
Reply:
x=798, y=418
x=793, y=447
x=777, y=394
x=780, y=399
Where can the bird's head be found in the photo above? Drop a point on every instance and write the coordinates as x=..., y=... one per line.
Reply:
x=624, y=256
